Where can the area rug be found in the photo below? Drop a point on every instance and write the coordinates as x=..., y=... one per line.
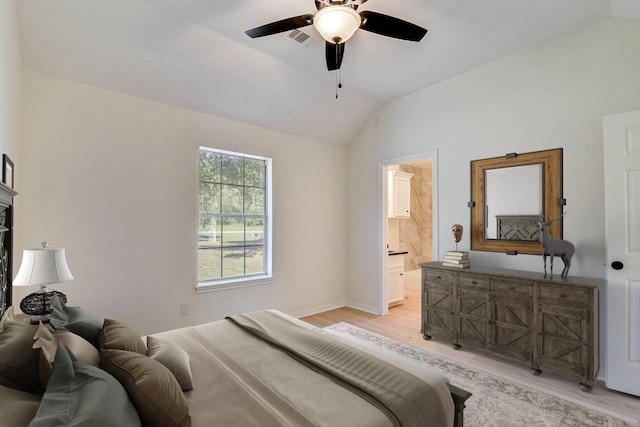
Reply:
x=496, y=402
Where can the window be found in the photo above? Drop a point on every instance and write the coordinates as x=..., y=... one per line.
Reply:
x=234, y=238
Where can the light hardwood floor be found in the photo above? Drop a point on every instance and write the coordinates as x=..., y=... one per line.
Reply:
x=403, y=324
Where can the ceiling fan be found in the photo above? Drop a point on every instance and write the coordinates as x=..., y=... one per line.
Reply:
x=337, y=21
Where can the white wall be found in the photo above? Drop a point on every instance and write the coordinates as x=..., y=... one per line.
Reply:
x=551, y=95
x=113, y=179
x=10, y=80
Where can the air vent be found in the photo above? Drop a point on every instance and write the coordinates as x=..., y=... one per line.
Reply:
x=300, y=38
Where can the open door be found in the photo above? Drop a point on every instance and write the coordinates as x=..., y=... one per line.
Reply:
x=409, y=228
x=622, y=211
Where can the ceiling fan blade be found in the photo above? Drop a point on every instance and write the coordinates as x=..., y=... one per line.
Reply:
x=334, y=54
x=391, y=27
x=281, y=26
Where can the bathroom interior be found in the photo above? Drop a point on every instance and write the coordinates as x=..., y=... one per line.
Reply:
x=409, y=225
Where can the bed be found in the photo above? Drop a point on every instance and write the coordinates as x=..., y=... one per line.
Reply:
x=254, y=369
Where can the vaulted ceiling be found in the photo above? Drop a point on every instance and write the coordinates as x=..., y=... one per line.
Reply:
x=195, y=54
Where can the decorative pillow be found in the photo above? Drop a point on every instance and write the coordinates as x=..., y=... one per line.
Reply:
x=173, y=358
x=153, y=389
x=81, y=395
x=18, y=361
x=17, y=407
x=76, y=320
x=8, y=315
x=47, y=342
x=118, y=336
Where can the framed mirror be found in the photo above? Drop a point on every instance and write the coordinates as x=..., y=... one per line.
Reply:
x=509, y=195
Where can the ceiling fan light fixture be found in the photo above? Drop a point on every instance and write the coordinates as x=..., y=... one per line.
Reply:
x=337, y=23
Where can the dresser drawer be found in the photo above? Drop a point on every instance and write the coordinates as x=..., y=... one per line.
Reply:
x=511, y=287
x=474, y=282
x=564, y=295
x=439, y=277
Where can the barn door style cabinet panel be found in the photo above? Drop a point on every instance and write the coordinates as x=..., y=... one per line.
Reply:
x=547, y=324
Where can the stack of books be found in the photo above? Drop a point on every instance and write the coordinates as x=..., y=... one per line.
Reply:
x=456, y=259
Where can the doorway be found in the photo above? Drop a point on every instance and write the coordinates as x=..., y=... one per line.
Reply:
x=407, y=240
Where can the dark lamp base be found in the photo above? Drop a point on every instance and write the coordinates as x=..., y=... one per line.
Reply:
x=38, y=304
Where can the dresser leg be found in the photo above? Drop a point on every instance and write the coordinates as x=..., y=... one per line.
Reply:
x=585, y=387
x=426, y=337
x=535, y=371
x=455, y=346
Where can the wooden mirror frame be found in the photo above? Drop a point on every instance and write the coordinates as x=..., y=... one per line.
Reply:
x=551, y=161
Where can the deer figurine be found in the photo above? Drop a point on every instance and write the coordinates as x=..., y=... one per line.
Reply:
x=555, y=247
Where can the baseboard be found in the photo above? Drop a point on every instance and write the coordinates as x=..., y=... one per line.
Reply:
x=333, y=306
x=318, y=309
x=362, y=307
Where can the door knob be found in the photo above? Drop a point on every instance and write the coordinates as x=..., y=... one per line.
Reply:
x=617, y=265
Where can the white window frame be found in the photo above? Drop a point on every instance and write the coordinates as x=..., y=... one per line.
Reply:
x=253, y=279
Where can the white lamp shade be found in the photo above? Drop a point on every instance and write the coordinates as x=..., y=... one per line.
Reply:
x=337, y=23
x=42, y=266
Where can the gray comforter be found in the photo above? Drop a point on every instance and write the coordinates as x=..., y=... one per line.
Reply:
x=248, y=372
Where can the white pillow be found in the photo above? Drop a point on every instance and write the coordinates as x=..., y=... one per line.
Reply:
x=173, y=358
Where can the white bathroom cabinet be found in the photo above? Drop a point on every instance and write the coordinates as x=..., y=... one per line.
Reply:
x=395, y=279
x=399, y=194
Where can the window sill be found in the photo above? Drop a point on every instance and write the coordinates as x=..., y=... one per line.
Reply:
x=232, y=283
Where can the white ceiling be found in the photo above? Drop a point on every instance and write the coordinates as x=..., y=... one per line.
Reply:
x=195, y=54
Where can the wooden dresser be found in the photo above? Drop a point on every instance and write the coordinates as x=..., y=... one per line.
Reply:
x=548, y=325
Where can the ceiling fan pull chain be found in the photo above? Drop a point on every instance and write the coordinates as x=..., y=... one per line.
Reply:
x=338, y=71
x=338, y=81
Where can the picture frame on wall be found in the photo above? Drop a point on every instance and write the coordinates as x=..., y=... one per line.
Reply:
x=7, y=171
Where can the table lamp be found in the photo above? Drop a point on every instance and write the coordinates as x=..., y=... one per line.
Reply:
x=42, y=267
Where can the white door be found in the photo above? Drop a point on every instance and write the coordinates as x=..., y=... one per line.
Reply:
x=622, y=210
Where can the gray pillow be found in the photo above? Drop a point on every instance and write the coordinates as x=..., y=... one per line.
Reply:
x=83, y=395
x=76, y=320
